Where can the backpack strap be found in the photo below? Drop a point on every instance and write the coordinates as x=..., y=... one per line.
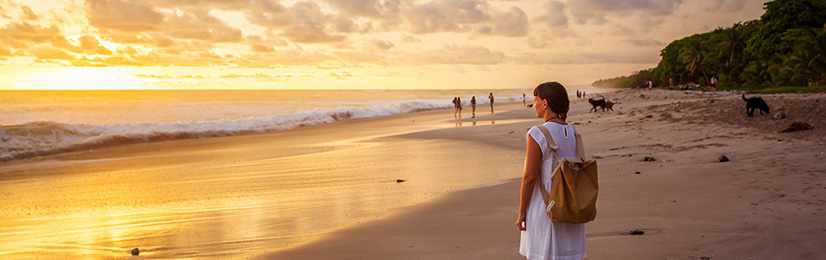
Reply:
x=553, y=147
x=580, y=150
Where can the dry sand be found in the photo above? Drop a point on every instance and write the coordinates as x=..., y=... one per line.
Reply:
x=226, y=197
x=768, y=202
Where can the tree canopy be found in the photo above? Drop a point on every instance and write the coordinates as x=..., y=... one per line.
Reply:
x=785, y=47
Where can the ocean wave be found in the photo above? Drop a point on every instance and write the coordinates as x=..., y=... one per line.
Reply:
x=47, y=137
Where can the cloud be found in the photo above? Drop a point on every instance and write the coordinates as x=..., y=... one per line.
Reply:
x=200, y=25
x=381, y=44
x=4, y=50
x=465, y=16
x=22, y=35
x=595, y=11
x=50, y=53
x=28, y=14
x=644, y=41
x=278, y=58
x=312, y=25
x=269, y=14
x=635, y=56
x=554, y=16
x=446, y=16
x=409, y=38
x=123, y=15
x=386, y=9
x=454, y=54
x=725, y=5
x=513, y=23
x=261, y=48
x=90, y=45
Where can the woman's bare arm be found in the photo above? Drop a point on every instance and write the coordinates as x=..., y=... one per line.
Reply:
x=533, y=160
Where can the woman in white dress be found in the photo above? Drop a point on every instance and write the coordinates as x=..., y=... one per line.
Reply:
x=542, y=239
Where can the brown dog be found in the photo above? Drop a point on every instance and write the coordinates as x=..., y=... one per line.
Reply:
x=797, y=126
x=608, y=105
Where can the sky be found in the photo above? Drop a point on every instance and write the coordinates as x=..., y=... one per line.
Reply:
x=342, y=44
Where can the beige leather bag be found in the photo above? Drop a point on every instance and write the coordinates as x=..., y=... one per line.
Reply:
x=574, y=186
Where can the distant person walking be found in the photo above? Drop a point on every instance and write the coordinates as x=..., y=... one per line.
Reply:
x=524, y=102
x=541, y=238
x=455, y=108
x=473, y=105
x=713, y=83
x=459, y=107
x=650, y=84
x=491, y=102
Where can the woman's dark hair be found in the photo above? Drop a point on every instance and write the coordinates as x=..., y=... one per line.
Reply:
x=556, y=95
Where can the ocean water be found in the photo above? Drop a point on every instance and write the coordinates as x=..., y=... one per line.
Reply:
x=34, y=123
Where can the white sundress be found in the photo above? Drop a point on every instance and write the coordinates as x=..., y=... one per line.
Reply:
x=543, y=239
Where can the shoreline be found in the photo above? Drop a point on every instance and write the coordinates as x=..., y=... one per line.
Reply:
x=767, y=199
x=689, y=205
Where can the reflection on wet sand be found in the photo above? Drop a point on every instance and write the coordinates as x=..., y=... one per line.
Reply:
x=225, y=206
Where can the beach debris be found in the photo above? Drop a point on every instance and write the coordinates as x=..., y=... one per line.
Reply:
x=797, y=126
x=649, y=159
x=705, y=258
x=135, y=251
x=779, y=115
x=710, y=100
x=399, y=180
x=637, y=172
x=722, y=158
x=636, y=232
x=649, y=116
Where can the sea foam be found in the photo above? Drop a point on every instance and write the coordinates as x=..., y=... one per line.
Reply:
x=49, y=137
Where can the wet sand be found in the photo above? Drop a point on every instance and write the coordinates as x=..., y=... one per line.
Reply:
x=240, y=196
x=331, y=191
x=767, y=202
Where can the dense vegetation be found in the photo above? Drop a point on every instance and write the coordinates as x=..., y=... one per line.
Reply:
x=785, y=47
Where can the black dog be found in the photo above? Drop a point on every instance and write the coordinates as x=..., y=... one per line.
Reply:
x=755, y=103
x=597, y=103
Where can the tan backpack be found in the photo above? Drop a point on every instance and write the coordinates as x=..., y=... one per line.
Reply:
x=574, y=186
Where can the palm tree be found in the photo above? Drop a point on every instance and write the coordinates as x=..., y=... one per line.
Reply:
x=807, y=62
x=692, y=56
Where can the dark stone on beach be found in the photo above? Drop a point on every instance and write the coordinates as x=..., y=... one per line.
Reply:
x=649, y=159
x=136, y=251
x=722, y=159
x=399, y=180
x=636, y=232
x=636, y=172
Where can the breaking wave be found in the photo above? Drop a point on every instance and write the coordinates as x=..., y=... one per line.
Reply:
x=48, y=137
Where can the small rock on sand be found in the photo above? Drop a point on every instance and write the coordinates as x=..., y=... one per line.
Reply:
x=779, y=115
x=135, y=251
x=722, y=159
x=399, y=180
x=649, y=159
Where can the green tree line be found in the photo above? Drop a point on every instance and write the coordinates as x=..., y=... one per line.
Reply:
x=785, y=47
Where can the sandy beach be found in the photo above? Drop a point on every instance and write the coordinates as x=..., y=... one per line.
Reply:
x=767, y=202
x=333, y=191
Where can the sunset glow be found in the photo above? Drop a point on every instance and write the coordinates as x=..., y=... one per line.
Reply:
x=341, y=44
